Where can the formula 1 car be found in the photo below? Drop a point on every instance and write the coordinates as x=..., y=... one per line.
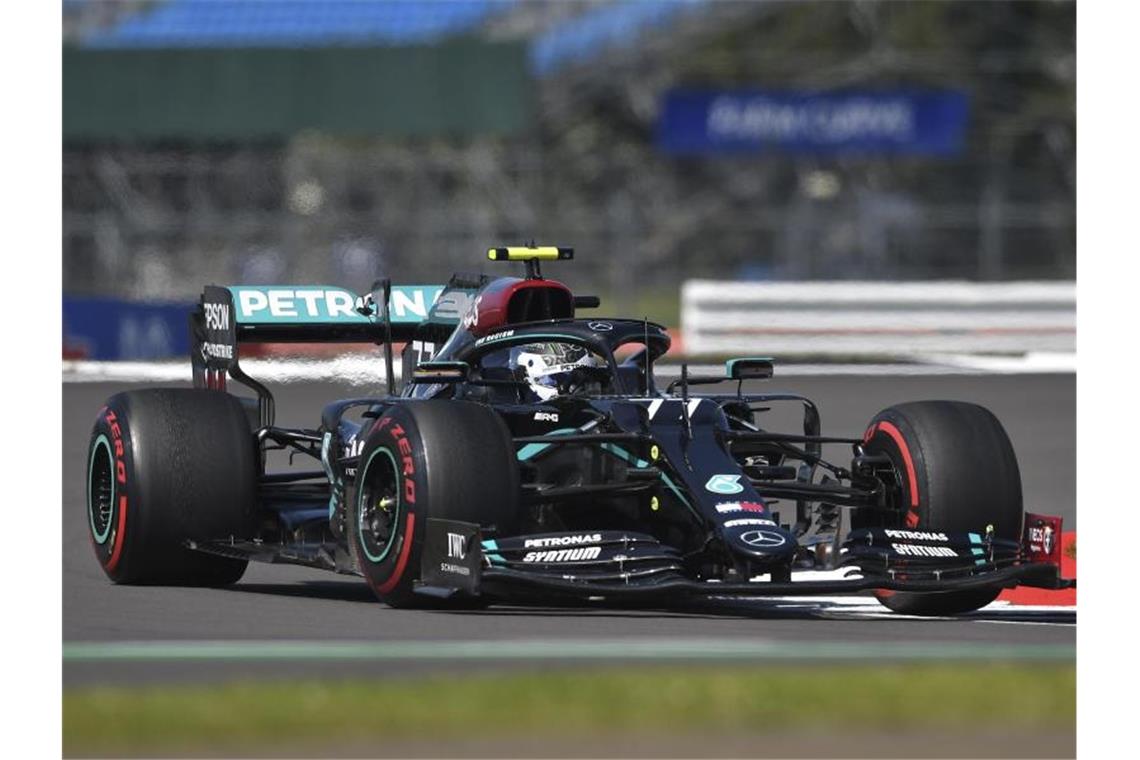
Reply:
x=531, y=455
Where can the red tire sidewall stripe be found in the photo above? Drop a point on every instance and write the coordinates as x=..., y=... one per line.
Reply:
x=402, y=559
x=912, y=480
x=897, y=436
x=110, y=419
x=120, y=535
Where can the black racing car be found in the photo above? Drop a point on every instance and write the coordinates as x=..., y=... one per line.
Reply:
x=532, y=454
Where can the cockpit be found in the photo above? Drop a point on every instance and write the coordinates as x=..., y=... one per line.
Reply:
x=550, y=368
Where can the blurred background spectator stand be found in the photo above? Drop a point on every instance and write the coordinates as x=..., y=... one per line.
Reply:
x=334, y=141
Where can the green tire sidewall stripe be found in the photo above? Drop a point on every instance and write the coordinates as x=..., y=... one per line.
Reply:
x=100, y=538
x=360, y=507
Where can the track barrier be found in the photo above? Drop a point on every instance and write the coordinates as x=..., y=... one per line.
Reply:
x=853, y=318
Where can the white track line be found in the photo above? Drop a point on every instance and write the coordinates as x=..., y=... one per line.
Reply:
x=555, y=649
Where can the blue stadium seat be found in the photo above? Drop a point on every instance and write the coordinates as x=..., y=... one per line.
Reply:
x=313, y=23
x=294, y=23
x=592, y=33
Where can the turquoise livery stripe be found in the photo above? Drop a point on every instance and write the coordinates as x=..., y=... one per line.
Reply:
x=326, y=304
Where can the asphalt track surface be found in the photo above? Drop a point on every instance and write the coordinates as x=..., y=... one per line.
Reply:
x=282, y=621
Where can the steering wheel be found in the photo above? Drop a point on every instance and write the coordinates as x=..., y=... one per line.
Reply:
x=581, y=376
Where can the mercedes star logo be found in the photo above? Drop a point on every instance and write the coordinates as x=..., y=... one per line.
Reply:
x=762, y=539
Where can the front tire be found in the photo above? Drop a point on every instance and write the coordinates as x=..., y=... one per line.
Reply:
x=166, y=465
x=957, y=472
x=427, y=459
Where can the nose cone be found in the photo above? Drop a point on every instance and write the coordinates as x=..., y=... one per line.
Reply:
x=760, y=542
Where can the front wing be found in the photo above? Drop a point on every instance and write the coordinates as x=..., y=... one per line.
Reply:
x=621, y=565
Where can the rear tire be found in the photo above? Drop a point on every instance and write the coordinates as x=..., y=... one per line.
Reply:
x=957, y=472
x=166, y=465
x=439, y=459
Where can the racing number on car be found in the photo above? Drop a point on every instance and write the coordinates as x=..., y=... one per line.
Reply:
x=422, y=351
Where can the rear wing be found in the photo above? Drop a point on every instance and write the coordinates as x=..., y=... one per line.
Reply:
x=232, y=315
x=314, y=313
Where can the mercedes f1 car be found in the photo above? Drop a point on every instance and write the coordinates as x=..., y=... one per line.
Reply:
x=532, y=453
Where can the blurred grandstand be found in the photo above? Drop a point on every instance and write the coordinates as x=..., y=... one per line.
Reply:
x=155, y=218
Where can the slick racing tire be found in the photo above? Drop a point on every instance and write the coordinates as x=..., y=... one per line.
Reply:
x=427, y=459
x=957, y=472
x=164, y=466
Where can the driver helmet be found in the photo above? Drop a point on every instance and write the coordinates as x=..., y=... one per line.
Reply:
x=548, y=365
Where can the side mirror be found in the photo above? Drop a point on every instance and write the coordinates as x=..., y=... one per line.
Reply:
x=441, y=372
x=748, y=369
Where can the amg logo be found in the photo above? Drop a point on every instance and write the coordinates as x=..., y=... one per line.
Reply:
x=564, y=555
x=217, y=316
x=916, y=535
x=455, y=546
x=913, y=550
x=563, y=540
x=545, y=417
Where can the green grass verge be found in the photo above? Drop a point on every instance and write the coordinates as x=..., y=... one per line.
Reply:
x=674, y=700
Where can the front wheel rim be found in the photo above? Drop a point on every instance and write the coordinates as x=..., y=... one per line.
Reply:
x=101, y=490
x=378, y=506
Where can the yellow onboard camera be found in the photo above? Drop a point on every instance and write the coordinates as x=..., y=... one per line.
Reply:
x=530, y=253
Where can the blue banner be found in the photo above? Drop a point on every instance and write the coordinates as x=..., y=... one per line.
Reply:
x=109, y=329
x=900, y=121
